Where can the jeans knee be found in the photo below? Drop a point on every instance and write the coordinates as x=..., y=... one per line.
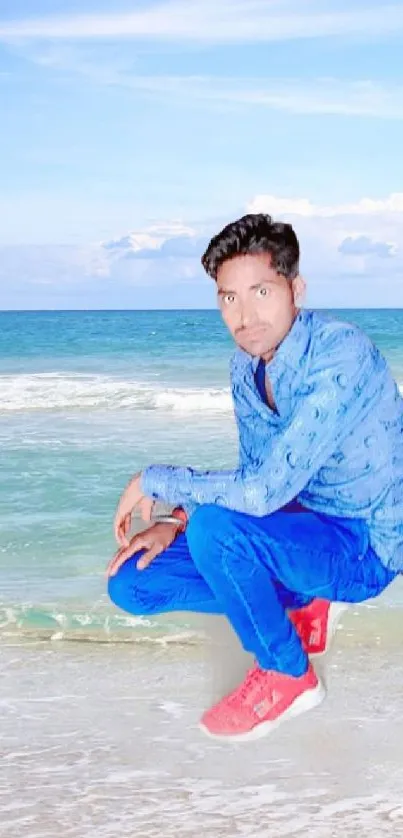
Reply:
x=124, y=594
x=115, y=589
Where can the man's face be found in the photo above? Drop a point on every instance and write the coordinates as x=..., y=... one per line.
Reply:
x=258, y=305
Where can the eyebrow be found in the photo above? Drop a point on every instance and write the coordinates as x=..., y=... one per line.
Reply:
x=222, y=291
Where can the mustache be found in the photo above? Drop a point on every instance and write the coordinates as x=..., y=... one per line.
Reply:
x=245, y=330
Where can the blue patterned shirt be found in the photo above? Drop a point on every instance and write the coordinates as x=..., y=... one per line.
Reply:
x=335, y=442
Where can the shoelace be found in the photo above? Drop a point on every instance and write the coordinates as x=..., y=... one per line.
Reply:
x=252, y=677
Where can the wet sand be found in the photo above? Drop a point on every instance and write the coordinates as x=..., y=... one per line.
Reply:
x=102, y=740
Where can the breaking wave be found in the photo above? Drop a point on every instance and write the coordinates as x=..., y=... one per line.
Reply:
x=31, y=622
x=57, y=391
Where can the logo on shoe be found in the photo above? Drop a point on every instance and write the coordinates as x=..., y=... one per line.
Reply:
x=263, y=707
x=316, y=632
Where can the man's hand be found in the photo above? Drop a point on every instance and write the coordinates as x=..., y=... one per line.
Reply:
x=154, y=540
x=131, y=499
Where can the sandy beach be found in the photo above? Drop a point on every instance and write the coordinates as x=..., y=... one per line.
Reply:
x=102, y=740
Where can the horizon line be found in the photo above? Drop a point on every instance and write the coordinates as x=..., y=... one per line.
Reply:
x=159, y=310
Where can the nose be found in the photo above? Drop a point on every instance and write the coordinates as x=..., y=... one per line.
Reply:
x=248, y=317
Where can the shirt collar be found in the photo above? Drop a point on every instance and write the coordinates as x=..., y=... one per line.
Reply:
x=286, y=368
x=292, y=350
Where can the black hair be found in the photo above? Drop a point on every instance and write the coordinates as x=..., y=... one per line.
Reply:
x=254, y=233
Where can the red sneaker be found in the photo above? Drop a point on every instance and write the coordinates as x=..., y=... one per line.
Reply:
x=316, y=624
x=259, y=705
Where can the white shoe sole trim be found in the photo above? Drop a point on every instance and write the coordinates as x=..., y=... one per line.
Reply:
x=304, y=702
x=336, y=610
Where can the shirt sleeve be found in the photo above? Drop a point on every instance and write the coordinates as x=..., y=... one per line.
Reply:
x=242, y=427
x=338, y=389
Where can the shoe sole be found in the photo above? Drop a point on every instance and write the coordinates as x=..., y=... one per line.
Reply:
x=304, y=702
x=336, y=610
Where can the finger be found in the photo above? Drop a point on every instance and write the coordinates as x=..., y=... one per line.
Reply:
x=122, y=523
x=123, y=539
x=121, y=536
x=117, y=562
x=117, y=530
x=148, y=557
x=113, y=566
x=136, y=544
x=146, y=508
x=127, y=523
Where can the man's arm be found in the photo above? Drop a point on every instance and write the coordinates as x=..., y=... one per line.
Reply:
x=337, y=390
x=190, y=506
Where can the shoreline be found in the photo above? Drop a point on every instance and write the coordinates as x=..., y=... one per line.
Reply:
x=104, y=741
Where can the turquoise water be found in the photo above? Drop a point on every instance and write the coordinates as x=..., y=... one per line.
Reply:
x=87, y=399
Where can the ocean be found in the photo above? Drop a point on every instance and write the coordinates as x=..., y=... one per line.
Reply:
x=98, y=709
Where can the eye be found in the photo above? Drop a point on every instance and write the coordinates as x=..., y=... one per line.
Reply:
x=228, y=299
x=263, y=291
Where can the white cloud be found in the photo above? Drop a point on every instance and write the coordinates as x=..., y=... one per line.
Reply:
x=316, y=95
x=366, y=246
x=344, y=250
x=302, y=206
x=363, y=98
x=220, y=21
x=344, y=246
x=151, y=239
x=351, y=256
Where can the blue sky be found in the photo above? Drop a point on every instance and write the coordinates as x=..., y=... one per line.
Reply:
x=135, y=130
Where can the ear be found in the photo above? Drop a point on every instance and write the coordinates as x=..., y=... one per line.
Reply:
x=298, y=288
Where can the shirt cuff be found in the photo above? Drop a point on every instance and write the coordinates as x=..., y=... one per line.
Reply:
x=170, y=484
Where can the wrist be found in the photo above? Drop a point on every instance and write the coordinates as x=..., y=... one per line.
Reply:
x=177, y=518
x=180, y=515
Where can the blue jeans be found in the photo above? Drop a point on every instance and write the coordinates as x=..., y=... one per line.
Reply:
x=254, y=570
